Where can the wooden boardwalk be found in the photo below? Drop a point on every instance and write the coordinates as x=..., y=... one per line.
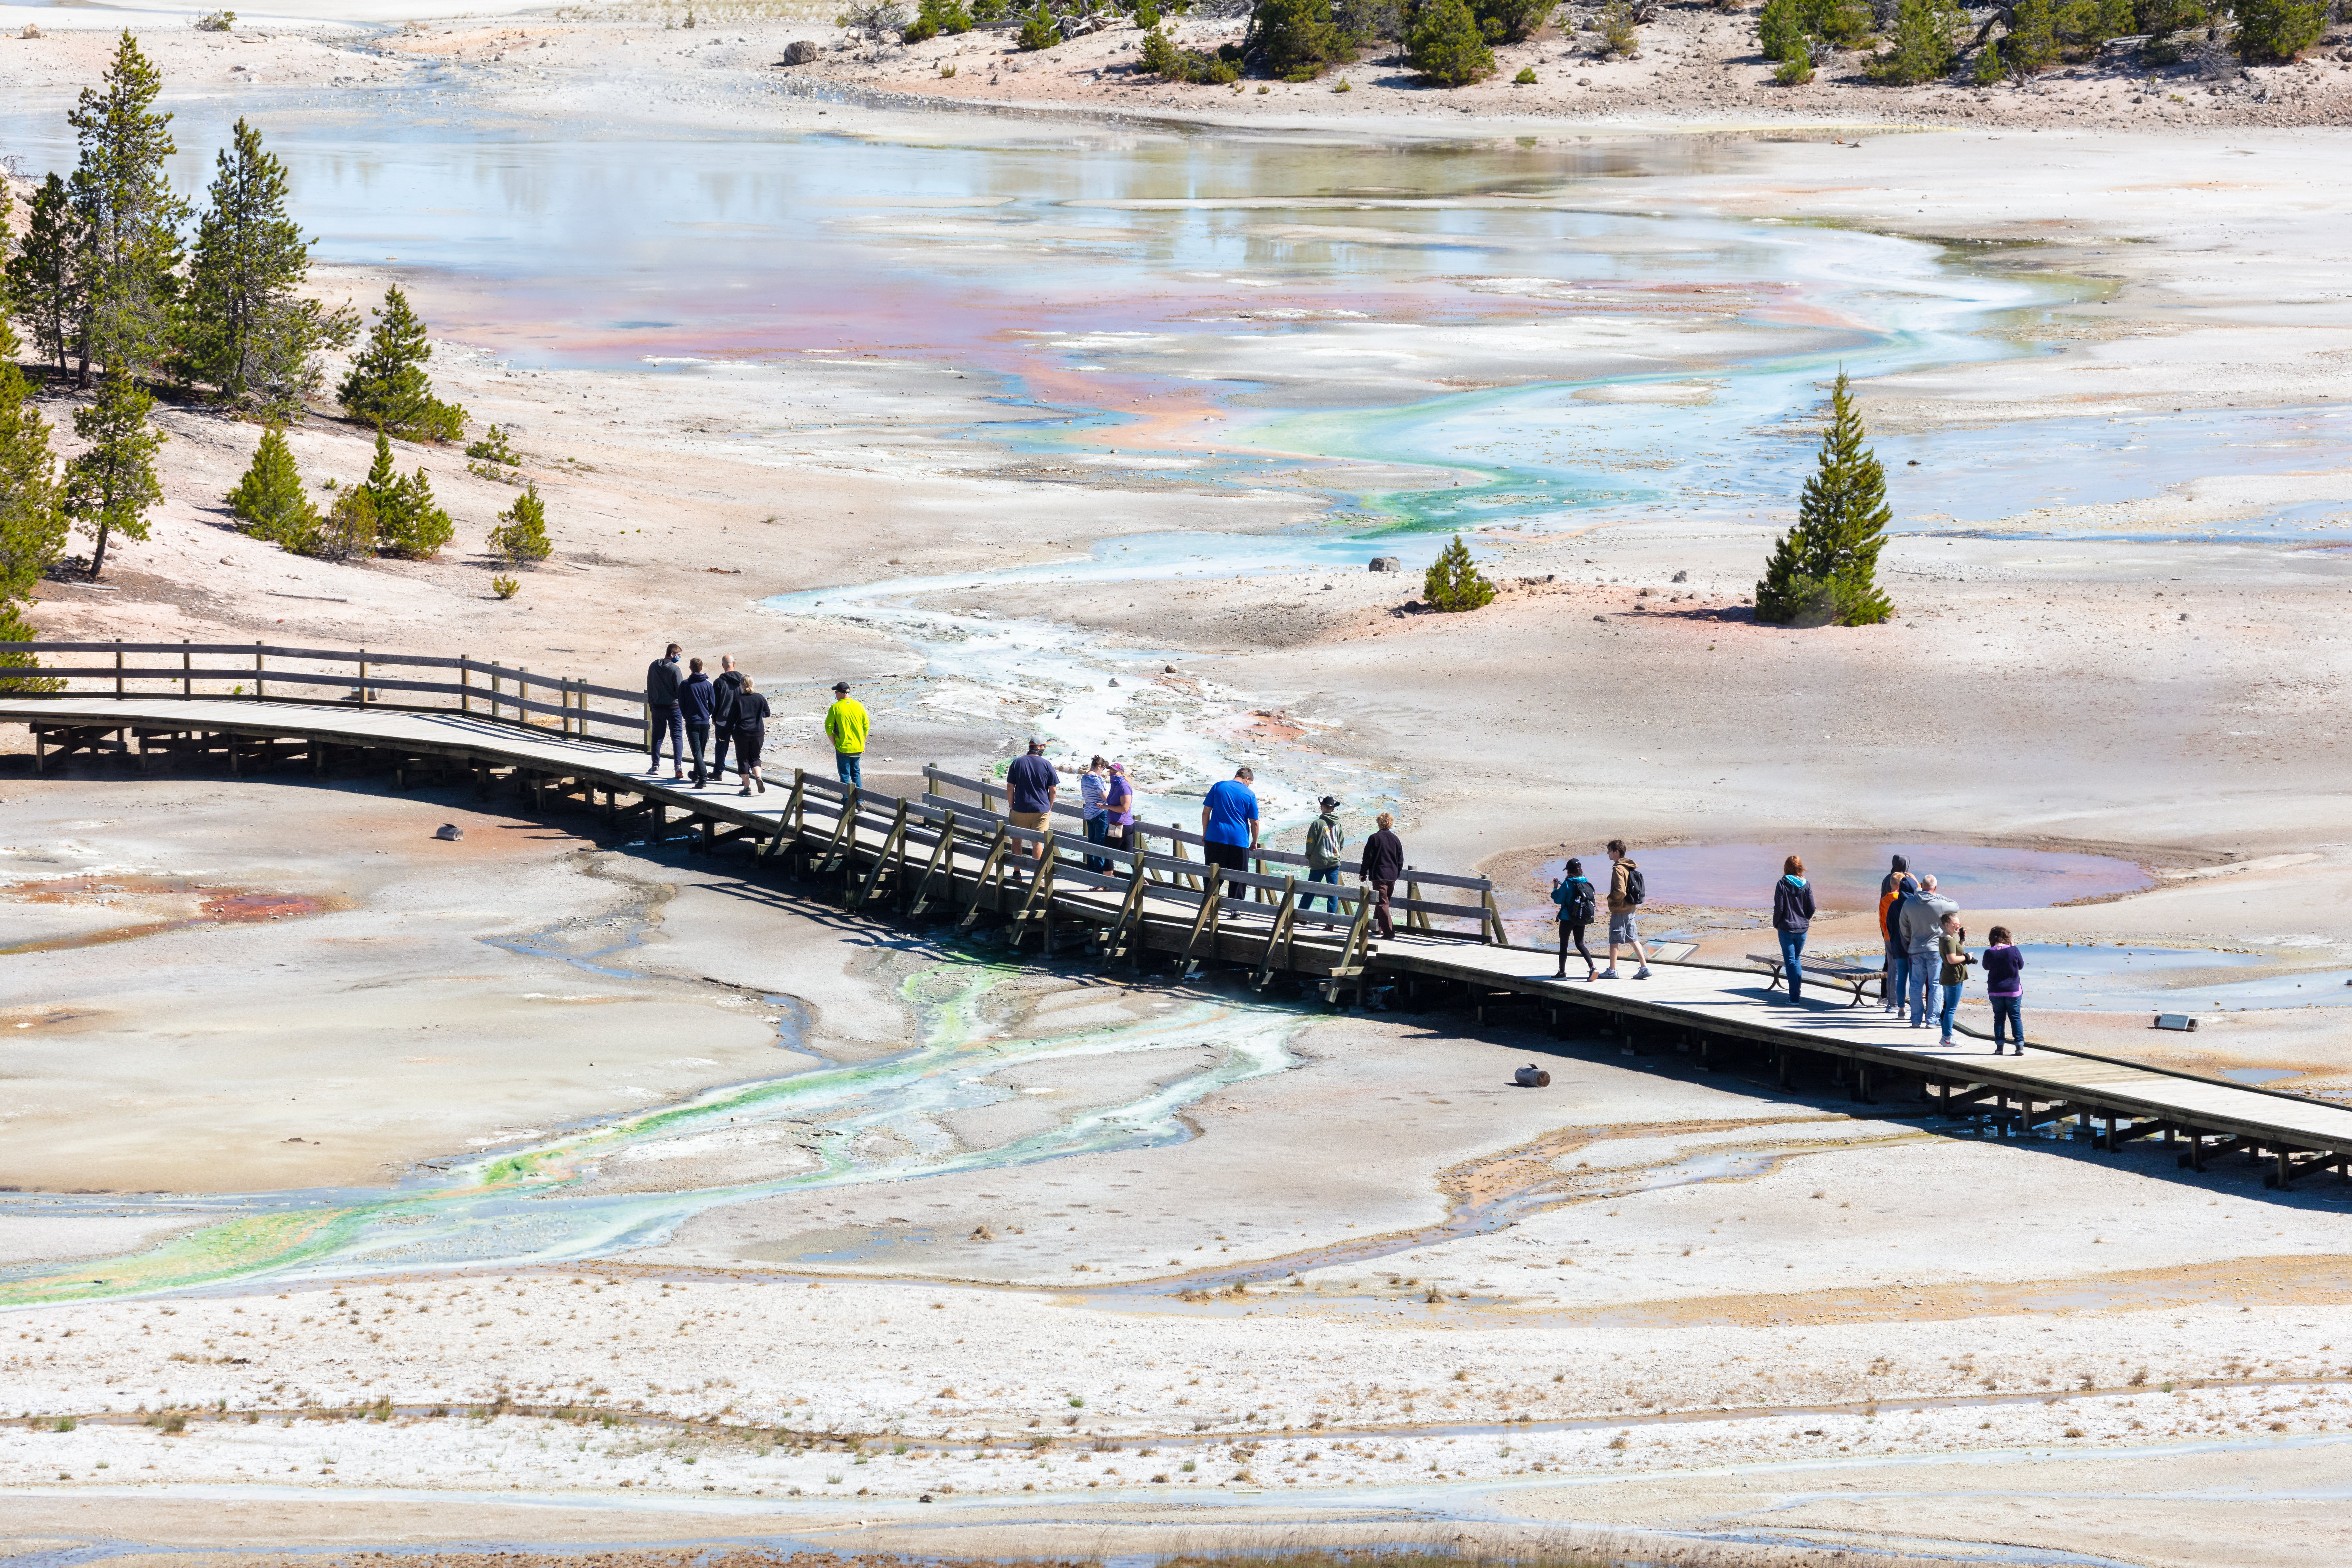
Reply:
x=943, y=857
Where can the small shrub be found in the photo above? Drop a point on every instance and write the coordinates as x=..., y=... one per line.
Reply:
x=947, y=71
x=1453, y=583
x=215, y=21
x=1510, y=21
x=1794, y=73
x=64, y=1424
x=268, y=500
x=1619, y=36
x=506, y=587
x=521, y=534
x=1344, y=86
x=1527, y=77
x=2273, y=32
x=1443, y=42
x=1039, y=30
x=493, y=449
x=1922, y=47
x=348, y=530
x=1296, y=38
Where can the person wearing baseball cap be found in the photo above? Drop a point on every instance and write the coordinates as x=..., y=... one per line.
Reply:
x=1030, y=785
x=1325, y=846
x=846, y=723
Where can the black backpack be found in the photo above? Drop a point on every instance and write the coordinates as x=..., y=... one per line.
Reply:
x=1637, y=890
x=1579, y=901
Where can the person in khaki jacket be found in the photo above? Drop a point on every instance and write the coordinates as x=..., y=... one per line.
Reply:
x=1626, y=894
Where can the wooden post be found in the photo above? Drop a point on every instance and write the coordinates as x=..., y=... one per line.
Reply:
x=187, y=685
x=364, y=691
x=980, y=883
x=260, y=689
x=118, y=667
x=1491, y=929
x=943, y=854
x=1284, y=918
x=1414, y=920
x=493, y=692
x=465, y=684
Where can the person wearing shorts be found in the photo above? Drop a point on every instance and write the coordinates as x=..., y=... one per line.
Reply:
x=1030, y=785
x=1622, y=930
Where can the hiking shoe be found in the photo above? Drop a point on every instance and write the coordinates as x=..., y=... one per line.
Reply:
x=745, y=790
x=762, y=784
x=1642, y=973
x=1609, y=974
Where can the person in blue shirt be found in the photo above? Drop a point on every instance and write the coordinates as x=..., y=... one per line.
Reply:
x=1229, y=823
x=1031, y=785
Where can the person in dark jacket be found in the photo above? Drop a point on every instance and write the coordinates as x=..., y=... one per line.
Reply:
x=663, y=677
x=751, y=734
x=1383, y=864
x=1792, y=917
x=694, y=704
x=2004, y=972
x=1893, y=889
x=723, y=688
x=1577, y=902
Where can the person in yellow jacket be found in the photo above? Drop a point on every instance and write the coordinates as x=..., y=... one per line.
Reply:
x=846, y=723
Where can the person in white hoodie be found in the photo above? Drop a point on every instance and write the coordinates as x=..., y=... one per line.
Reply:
x=1923, y=926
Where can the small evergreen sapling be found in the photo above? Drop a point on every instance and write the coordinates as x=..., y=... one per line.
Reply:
x=493, y=457
x=1443, y=42
x=348, y=530
x=2276, y=32
x=1039, y=30
x=43, y=279
x=521, y=537
x=387, y=385
x=1453, y=583
x=111, y=484
x=1824, y=569
x=408, y=523
x=269, y=499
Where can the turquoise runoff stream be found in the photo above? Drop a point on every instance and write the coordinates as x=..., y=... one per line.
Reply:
x=539, y=1202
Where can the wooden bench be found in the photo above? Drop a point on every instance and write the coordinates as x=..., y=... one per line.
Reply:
x=1854, y=976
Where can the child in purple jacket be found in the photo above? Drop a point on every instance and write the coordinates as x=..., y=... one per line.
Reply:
x=2004, y=964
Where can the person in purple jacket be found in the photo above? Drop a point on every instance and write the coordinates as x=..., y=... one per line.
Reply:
x=1792, y=917
x=2004, y=972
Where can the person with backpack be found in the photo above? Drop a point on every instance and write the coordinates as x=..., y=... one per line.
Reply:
x=1792, y=917
x=1577, y=903
x=1627, y=892
x=2004, y=971
x=1893, y=889
x=1327, y=846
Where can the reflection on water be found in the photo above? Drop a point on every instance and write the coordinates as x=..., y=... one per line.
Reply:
x=1846, y=876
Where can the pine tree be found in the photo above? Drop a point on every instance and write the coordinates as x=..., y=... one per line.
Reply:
x=1452, y=581
x=43, y=277
x=387, y=385
x=1297, y=36
x=110, y=487
x=521, y=535
x=269, y=499
x=243, y=330
x=408, y=523
x=1825, y=568
x=1443, y=42
x=2276, y=32
x=128, y=220
x=1923, y=42
x=32, y=518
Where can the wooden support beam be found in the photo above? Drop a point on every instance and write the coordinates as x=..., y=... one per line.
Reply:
x=992, y=865
x=1285, y=918
x=943, y=856
x=1206, y=919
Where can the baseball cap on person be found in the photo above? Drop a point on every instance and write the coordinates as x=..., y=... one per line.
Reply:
x=841, y=686
x=1035, y=744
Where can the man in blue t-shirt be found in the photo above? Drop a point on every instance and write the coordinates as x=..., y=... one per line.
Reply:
x=1030, y=785
x=1229, y=823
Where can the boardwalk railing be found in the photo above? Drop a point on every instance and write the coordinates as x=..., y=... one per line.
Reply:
x=246, y=670
x=1267, y=865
